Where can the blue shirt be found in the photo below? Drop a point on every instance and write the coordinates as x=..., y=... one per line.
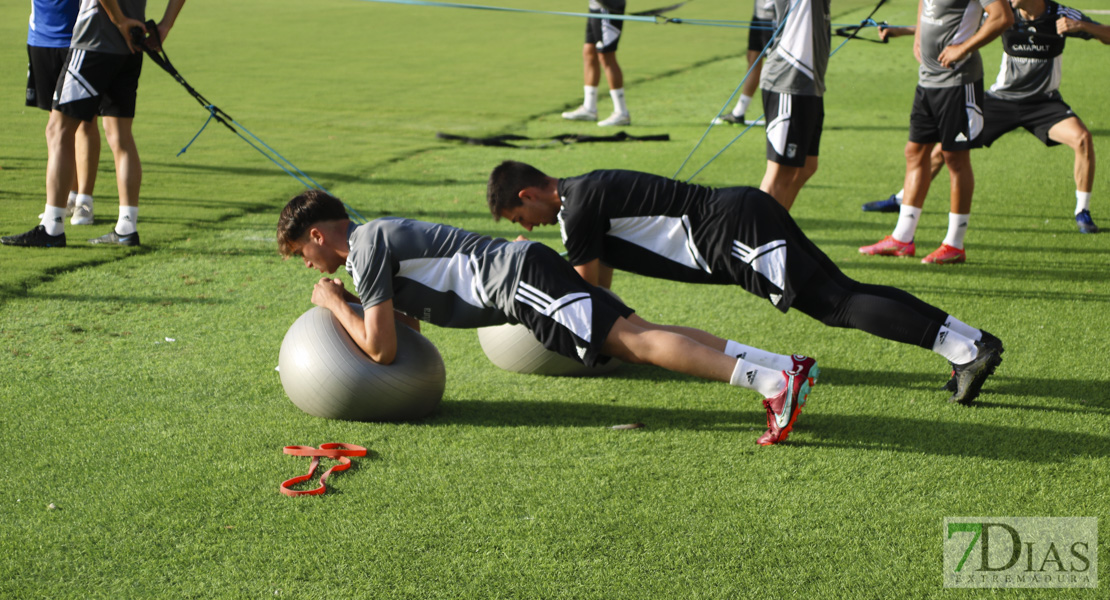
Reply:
x=51, y=23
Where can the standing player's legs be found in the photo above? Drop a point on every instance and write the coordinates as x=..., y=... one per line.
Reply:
x=129, y=171
x=794, y=125
x=1074, y=133
x=952, y=118
x=61, y=167
x=87, y=163
x=960, y=116
x=118, y=112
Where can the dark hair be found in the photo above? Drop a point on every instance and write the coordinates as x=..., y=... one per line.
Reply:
x=304, y=211
x=505, y=183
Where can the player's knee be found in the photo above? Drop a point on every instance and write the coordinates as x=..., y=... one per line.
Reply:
x=1083, y=142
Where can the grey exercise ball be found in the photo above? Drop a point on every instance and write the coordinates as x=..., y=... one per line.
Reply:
x=327, y=375
x=514, y=348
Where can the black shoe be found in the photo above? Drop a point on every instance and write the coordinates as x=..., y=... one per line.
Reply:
x=36, y=237
x=891, y=204
x=970, y=377
x=988, y=340
x=115, y=239
x=729, y=119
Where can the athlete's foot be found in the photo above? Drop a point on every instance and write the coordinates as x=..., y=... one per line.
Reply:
x=1083, y=220
x=617, y=119
x=970, y=377
x=114, y=239
x=945, y=255
x=889, y=246
x=891, y=204
x=37, y=237
x=729, y=119
x=580, y=114
x=783, y=409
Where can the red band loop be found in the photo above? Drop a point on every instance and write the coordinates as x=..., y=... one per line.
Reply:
x=337, y=451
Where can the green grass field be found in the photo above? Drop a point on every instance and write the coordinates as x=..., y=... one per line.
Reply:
x=162, y=459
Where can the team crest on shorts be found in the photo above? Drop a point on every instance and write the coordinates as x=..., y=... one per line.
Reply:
x=791, y=150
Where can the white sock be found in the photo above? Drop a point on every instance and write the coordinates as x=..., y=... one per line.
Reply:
x=128, y=216
x=957, y=229
x=590, y=102
x=908, y=217
x=742, y=105
x=53, y=219
x=956, y=348
x=901, y=194
x=83, y=200
x=768, y=382
x=1082, y=201
x=778, y=362
x=618, y=101
x=963, y=328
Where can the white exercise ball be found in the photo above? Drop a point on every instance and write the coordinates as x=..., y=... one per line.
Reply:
x=327, y=375
x=514, y=348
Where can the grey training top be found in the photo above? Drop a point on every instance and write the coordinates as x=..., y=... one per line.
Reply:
x=1032, y=52
x=95, y=31
x=435, y=273
x=799, y=55
x=942, y=24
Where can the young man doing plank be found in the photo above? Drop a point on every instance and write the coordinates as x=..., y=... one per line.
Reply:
x=663, y=228
x=420, y=271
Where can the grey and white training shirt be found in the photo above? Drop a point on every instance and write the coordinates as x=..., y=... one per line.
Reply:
x=95, y=31
x=798, y=57
x=435, y=273
x=943, y=23
x=1031, y=59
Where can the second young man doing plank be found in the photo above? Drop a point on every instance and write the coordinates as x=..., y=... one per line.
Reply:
x=660, y=227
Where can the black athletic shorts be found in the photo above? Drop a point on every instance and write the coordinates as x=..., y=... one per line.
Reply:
x=771, y=257
x=98, y=83
x=949, y=116
x=1036, y=116
x=604, y=34
x=44, y=65
x=759, y=34
x=794, y=126
x=566, y=314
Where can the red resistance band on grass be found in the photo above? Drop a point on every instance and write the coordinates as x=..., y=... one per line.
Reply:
x=339, y=452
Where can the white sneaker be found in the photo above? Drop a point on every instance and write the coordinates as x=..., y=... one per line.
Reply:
x=82, y=215
x=70, y=207
x=615, y=119
x=581, y=114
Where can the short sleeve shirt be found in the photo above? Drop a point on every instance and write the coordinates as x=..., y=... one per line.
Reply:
x=943, y=23
x=798, y=57
x=1031, y=59
x=646, y=224
x=435, y=273
x=95, y=31
x=51, y=23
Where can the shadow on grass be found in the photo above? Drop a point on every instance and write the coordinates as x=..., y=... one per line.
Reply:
x=883, y=433
x=1070, y=390
x=121, y=299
